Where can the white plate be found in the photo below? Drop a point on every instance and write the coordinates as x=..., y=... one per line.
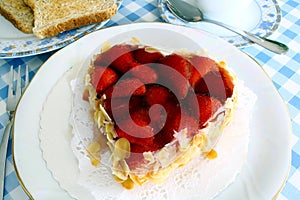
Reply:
x=261, y=17
x=269, y=152
x=14, y=43
x=210, y=177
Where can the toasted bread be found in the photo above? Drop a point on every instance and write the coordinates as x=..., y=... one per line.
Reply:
x=18, y=13
x=55, y=16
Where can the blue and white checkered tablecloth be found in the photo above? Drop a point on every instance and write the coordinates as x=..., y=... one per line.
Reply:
x=284, y=71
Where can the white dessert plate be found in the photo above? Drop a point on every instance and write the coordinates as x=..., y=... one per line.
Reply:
x=14, y=43
x=261, y=17
x=269, y=155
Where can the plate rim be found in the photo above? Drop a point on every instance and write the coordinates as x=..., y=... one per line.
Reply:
x=59, y=44
x=151, y=24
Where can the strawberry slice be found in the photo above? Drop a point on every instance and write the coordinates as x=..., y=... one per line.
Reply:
x=166, y=134
x=153, y=117
x=100, y=60
x=119, y=57
x=177, y=122
x=226, y=77
x=120, y=108
x=136, y=149
x=142, y=137
x=201, y=66
x=143, y=56
x=141, y=117
x=206, y=106
x=178, y=63
x=136, y=158
x=140, y=141
x=184, y=120
x=126, y=88
x=216, y=84
x=102, y=78
x=190, y=123
x=136, y=129
x=158, y=117
x=157, y=94
x=144, y=72
x=177, y=80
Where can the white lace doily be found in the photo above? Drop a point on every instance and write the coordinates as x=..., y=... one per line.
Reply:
x=199, y=179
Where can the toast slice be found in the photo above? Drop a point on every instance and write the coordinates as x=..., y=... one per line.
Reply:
x=55, y=16
x=18, y=13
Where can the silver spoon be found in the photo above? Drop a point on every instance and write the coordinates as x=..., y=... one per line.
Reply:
x=189, y=13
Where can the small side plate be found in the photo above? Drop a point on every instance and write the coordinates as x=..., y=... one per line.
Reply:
x=262, y=18
x=14, y=43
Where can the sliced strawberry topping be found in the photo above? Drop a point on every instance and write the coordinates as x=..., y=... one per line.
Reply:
x=143, y=148
x=136, y=158
x=215, y=84
x=126, y=88
x=160, y=95
x=141, y=117
x=101, y=61
x=207, y=106
x=120, y=108
x=166, y=134
x=200, y=66
x=142, y=56
x=145, y=73
x=178, y=63
x=177, y=122
x=102, y=78
x=118, y=57
x=144, y=137
x=190, y=123
x=157, y=95
x=158, y=117
x=228, y=83
x=177, y=79
x=136, y=129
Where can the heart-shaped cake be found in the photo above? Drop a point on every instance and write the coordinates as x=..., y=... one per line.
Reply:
x=158, y=111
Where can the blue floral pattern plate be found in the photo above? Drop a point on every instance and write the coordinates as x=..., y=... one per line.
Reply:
x=14, y=43
x=261, y=18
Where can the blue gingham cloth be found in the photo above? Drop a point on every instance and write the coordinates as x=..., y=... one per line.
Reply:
x=284, y=71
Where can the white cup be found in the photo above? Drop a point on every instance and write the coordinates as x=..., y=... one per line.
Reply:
x=224, y=11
